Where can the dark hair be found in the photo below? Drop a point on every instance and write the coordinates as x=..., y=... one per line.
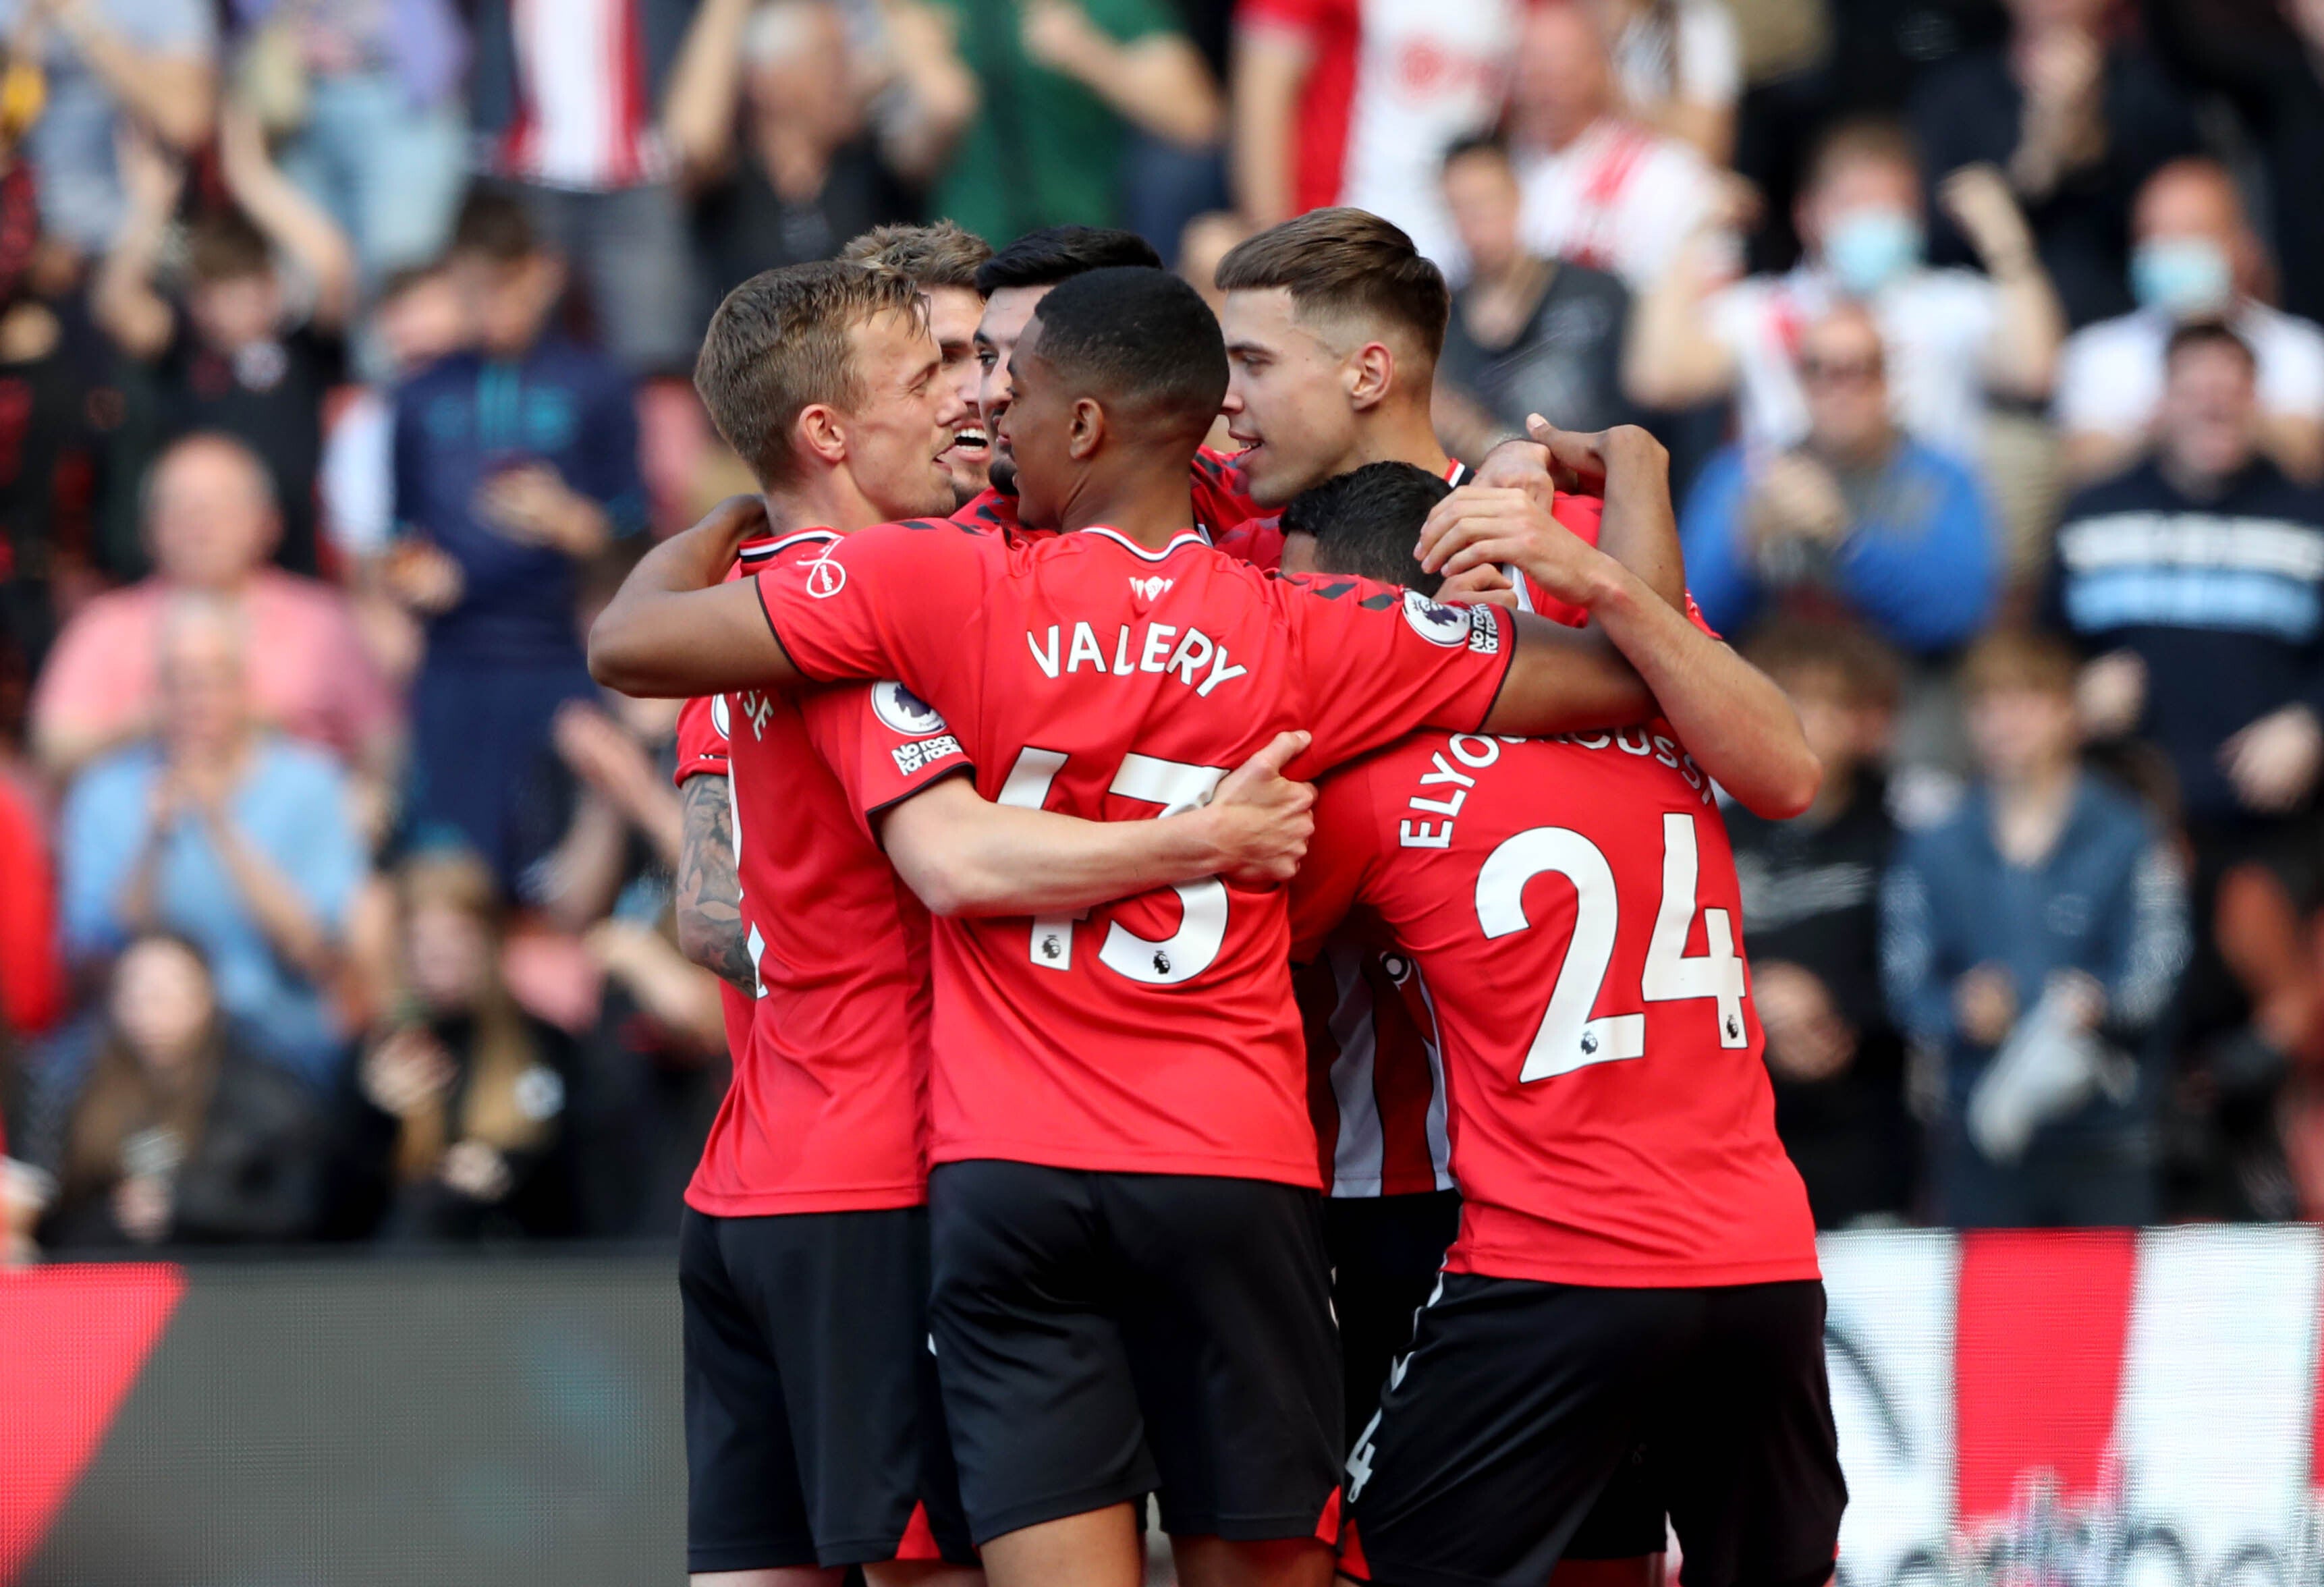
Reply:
x=780, y=341
x=1059, y=252
x=1860, y=137
x=942, y=255
x=2020, y=659
x=226, y=244
x=1346, y=265
x=1366, y=522
x=1140, y=335
x=2206, y=333
x=1488, y=142
x=495, y=227
x=403, y=278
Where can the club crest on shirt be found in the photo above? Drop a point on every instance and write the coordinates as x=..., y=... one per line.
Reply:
x=904, y=711
x=825, y=577
x=1439, y=625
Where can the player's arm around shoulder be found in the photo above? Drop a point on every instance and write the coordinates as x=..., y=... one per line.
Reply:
x=964, y=855
x=676, y=628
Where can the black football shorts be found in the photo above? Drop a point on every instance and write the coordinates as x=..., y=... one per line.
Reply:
x=814, y=1429
x=1523, y=1406
x=1385, y=1250
x=1101, y=1336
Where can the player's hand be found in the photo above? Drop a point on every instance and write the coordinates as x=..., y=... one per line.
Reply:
x=2273, y=761
x=1807, y=1040
x=1478, y=526
x=1484, y=585
x=1985, y=1004
x=1262, y=819
x=2110, y=694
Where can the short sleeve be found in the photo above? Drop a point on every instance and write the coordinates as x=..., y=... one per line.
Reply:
x=1375, y=662
x=883, y=743
x=1339, y=858
x=886, y=602
x=701, y=739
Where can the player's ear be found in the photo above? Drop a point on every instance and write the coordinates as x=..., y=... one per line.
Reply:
x=820, y=432
x=1088, y=431
x=1370, y=371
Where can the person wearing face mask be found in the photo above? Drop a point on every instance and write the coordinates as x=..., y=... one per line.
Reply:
x=2196, y=257
x=1951, y=337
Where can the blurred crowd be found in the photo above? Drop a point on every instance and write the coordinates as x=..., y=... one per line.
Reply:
x=343, y=349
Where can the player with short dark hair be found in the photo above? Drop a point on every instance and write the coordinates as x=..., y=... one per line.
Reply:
x=1129, y=1284
x=1366, y=521
x=814, y=1439
x=1631, y=1323
x=1014, y=280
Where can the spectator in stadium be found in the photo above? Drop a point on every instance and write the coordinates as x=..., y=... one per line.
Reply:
x=2195, y=581
x=1811, y=897
x=220, y=830
x=1950, y=337
x=241, y=350
x=416, y=319
x=515, y=466
x=1526, y=334
x=2031, y=944
x=111, y=66
x=1058, y=94
x=771, y=122
x=602, y=818
x=459, y=1126
x=367, y=98
x=2196, y=257
x=2078, y=119
x=181, y=1134
x=1324, y=112
x=1601, y=189
x=210, y=521
x=1858, y=519
x=573, y=130
x=1679, y=67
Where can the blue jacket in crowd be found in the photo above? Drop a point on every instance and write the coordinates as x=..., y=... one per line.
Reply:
x=1921, y=565
x=2109, y=900
x=2223, y=599
x=466, y=419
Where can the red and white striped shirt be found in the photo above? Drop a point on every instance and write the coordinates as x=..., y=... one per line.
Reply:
x=585, y=113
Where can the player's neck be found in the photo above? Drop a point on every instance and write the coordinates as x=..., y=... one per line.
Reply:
x=1149, y=507
x=831, y=502
x=1399, y=434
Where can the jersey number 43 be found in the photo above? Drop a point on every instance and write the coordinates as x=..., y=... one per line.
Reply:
x=1569, y=1039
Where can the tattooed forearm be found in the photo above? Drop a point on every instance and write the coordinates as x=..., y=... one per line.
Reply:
x=709, y=896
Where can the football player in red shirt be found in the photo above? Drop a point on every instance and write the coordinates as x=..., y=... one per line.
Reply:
x=1014, y=282
x=1629, y=1324
x=815, y=1440
x=942, y=260
x=1129, y=1284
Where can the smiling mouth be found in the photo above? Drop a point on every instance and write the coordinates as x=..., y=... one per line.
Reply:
x=970, y=439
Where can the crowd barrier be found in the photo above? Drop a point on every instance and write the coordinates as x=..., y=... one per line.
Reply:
x=2102, y=1410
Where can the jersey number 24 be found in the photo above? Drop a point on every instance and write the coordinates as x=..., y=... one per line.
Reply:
x=1569, y=1039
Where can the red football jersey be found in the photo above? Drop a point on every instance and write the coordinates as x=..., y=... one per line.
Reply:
x=1572, y=907
x=826, y=1110
x=1089, y=675
x=1375, y=1084
x=1215, y=490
